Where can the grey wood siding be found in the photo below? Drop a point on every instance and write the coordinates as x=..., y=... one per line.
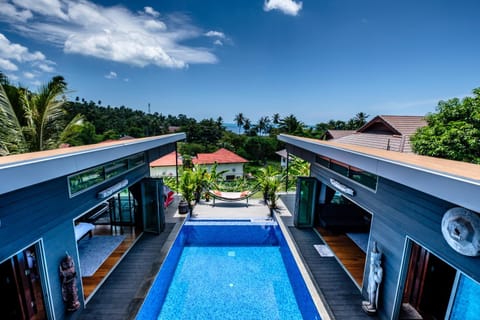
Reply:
x=46, y=212
x=400, y=212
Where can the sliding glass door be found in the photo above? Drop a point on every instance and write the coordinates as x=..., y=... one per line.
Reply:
x=152, y=205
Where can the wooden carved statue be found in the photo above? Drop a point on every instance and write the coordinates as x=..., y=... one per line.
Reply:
x=68, y=277
x=374, y=279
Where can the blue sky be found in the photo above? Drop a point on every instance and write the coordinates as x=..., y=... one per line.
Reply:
x=316, y=59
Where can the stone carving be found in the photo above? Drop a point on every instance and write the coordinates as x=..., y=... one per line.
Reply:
x=68, y=277
x=374, y=279
x=461, y=230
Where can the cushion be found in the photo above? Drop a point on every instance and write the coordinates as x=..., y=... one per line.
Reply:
x=82, y=229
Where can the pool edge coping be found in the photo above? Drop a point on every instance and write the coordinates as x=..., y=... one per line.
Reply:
x=315, y=292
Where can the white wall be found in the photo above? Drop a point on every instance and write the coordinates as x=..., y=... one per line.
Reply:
x=163, y=171
x=235, y=169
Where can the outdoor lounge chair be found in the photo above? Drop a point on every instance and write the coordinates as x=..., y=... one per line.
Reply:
x=230, y=196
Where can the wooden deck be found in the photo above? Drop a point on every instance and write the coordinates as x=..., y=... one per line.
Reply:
x=349, y=254
x=340, y=293
x=90, y=284
x=123, y=292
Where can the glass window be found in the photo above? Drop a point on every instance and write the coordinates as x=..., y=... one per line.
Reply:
x=115, y=168
x=136, y=160
x=323, y=161
x=363, y=177
x=465, y=305
x=86, y=179
x=339, y=167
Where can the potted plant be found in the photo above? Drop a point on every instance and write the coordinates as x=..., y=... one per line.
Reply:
x=187, y=187
x=269, y=180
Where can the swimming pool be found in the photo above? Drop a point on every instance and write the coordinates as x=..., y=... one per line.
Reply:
x=229, y=270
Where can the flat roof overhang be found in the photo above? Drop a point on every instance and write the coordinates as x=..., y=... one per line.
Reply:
x=23, y=170
x=453, y=181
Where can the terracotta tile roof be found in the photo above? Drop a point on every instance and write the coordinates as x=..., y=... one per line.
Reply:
x=167, y=160
x=220, y=156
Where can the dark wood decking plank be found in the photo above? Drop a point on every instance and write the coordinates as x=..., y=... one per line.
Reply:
x=338, y=289
x=123, y=292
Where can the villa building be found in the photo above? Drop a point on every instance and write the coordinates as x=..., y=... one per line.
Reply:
x=382, y=132
x=422, y=213
x=166, y=166
x=228, y=162
x=50, y=200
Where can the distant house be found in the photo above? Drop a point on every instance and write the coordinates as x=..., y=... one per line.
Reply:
x=383, y=132
x=283, y=157
x=226, y=160
x=165, y=166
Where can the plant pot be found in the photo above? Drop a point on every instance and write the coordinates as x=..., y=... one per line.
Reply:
x=183, y=207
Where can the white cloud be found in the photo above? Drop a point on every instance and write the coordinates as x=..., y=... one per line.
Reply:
x=216, y=34
x=113, y=33
x=289, y=7
x=7, y=65
x=218, y=42
x=111, y=75
x=151, y=11
x=45, y=66
x=154, y=25
x=45, y=7
x=28, y=75
x=12, y=55
x=11, y=11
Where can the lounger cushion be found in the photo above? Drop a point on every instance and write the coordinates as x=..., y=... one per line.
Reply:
x=82, y=229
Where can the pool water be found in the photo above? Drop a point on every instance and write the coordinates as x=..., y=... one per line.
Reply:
x=229, y=271
x=230, y=282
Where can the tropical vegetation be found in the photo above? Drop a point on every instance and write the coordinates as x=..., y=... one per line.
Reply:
x=34, y=121
x=453, y=132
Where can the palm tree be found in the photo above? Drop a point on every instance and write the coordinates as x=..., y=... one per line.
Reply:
x=12, y=139
x=360, y=119
x=42, y=116
x=263, y=125
x=247, y=125
x=44, y=112
x=290, y=124
x=276, y=118
x=239, y=120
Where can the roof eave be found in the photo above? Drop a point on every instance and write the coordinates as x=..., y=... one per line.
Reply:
x=458, y=190
x=25, y=173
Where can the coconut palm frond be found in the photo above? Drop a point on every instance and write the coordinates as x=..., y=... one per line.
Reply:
x=44, y=110
x=11, y=133
x=72, y=130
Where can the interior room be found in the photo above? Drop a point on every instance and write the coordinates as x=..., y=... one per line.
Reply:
x=345, y=227
x=103, y=235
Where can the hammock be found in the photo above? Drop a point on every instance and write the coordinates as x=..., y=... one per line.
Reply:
x=230, y=196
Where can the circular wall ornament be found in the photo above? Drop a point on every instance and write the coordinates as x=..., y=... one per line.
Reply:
x=461, y=230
